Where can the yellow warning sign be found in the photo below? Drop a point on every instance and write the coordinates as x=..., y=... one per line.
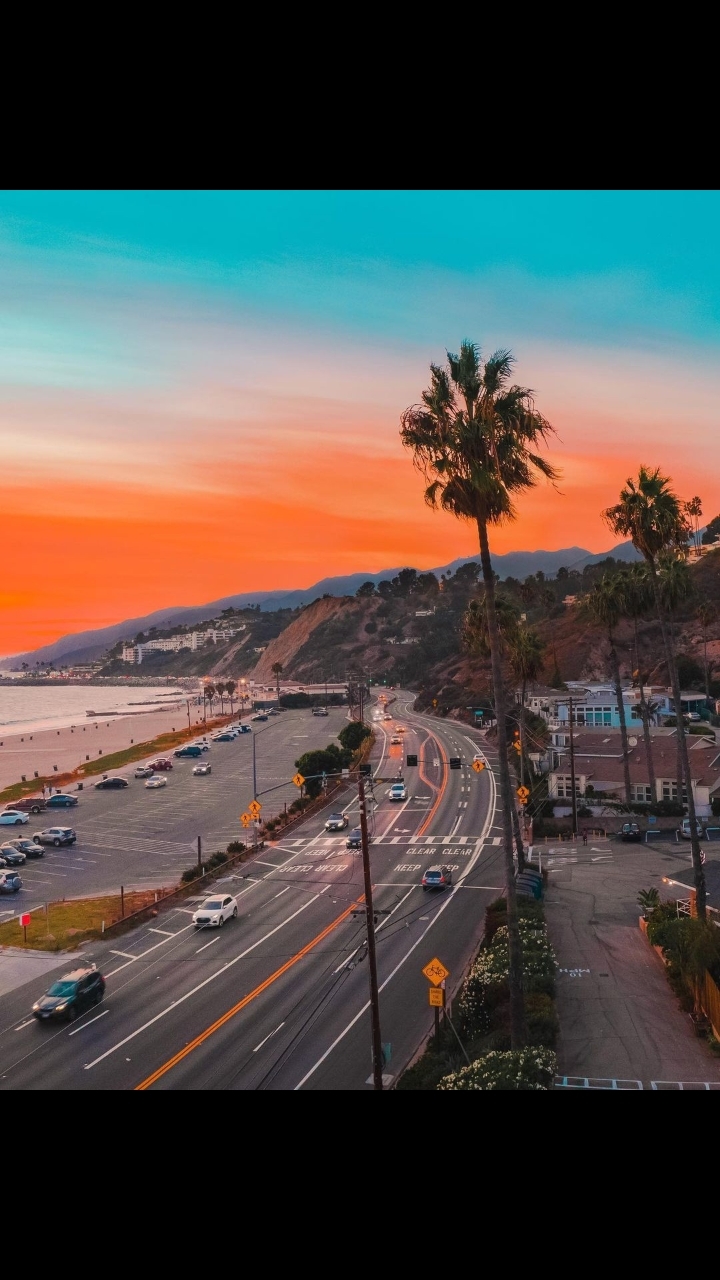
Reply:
x=245, y=819
x=436, y=972
x=254, y=808
x=436, y=996
x=478, y=765
x=298, y=779
x=522, y=792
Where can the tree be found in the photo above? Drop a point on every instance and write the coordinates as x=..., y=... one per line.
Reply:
x=637, y=601
x=475, y=438
x=651, y=515
x=220, y=687
x=706, y=614
x=353, y=735
x=366, y=590
x=693, y=509
x=605, y=605
x=209, y=692
x=230, y=687
x=712, y=532
x=276, y=669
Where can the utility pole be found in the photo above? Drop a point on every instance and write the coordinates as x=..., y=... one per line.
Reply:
x=188, y=711
x=572, y=769
x=377, y=1056
x=199, y=839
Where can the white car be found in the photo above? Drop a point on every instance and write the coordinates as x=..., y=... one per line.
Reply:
x=157, y=780
x=201, y=769
x=144, y=771
x=13, y=817
x=686, y=829
x=398, y=791
x=215, y=911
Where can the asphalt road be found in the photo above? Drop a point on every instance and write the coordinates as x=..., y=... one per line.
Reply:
x=279, y=998
x=142, y=838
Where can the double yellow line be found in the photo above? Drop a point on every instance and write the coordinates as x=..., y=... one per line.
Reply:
x=204, y=1035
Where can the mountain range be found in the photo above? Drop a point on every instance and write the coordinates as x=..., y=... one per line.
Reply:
x=86, y=646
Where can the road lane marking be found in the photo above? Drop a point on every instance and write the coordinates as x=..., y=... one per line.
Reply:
x=252, y=995
x=126, y=954
x=25, y=1024
x=166, y=932
x=88, y=1024
x=207, y=944
x=272, y=1033
x=280, y=894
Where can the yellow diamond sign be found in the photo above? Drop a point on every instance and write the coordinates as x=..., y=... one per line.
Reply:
x=254, y=808
x=245, y=819
x=298, y=779
x=478, y=765
x=436, y=972
x=523, y=793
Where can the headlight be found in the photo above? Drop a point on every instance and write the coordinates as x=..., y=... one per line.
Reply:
x=216, y=918
x=59, y=1007
x=35, y=1008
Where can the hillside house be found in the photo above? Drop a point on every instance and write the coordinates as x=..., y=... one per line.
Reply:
x=599, y=769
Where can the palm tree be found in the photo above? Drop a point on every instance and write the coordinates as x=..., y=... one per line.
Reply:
x=474, y=437
x=706, y=613
x=276, y=669
x=651, y=515
x=675, y=586
x=230, y=687
x=605, y=604
x=209, y=693
x=638, y=600
x=693, y=508
x=525, y=653
x=221, y=695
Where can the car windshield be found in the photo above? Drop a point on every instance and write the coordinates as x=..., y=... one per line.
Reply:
x=212, y=904
x=62, y=989
x=336, y=817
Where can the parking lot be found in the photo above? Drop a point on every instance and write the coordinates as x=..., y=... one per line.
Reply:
x=138, y=837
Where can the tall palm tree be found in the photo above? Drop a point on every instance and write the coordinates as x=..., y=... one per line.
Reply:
x=230, y=687
x=475, y=438
x=706, y=614
x=220, y=687
x=210, y=692
x=675, y=588
x=652, y=516
x=637, y=601
x=525, y=654
x=604, y=604
x=277, y=672
x=693, y=509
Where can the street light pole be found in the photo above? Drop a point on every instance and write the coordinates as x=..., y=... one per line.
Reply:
x=376, y=1041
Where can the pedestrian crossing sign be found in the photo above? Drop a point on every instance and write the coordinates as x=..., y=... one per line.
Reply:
x=478, y=765
x=254, y=808
x=245, y=819
x=298, y=779
x=522, y=793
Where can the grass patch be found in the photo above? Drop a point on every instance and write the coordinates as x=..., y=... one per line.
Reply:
x=105, y=763
x=67, y=924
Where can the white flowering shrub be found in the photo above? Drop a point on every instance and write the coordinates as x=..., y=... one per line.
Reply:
x=521, y=1069
x=488, y=975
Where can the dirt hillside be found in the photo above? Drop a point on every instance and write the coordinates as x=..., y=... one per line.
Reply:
x=284, y=647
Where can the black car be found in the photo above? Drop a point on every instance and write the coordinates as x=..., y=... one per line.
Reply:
x=630, y=831
x=28, y=847
x=111, y=784
x=60, y=801
x=71, y=995
x=11, y=857
x=354, y=840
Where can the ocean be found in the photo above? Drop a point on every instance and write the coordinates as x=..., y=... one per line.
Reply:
x=31, y=709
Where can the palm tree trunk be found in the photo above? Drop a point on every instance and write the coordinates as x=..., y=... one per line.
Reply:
x=518, y=837
x=621, y=712
x=707, y=677
x=698, y=873
x=648, y=744
x=515, y=968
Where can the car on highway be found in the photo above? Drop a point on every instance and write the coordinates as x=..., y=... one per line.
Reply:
x=387, y=717
x=630, y=832
x=319, y=711
x=686, y=829
x=200, y=770
x=337, y=822
x=354, y=840
x=35, y=804
x=28, y=847
x=399, y=728
x=55, y=835
x=215, y=911
x=13, y=818
x=11, y=857
x=111, y=784
x=61, y=801
x=156, y=781
x=71, y=995
x=437, y=878
x=10, y=882
x=144, y=771
x=188, y=753
x=398, y=791
x=395, y=739
x=162, y=765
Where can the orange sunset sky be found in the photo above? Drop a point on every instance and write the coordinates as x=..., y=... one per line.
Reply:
x=200, y=393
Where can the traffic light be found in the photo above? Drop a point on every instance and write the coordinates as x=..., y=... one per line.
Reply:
x=411, y=760
x=455, y=762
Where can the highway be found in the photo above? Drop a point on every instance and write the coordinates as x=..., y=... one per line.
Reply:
x=278, y=999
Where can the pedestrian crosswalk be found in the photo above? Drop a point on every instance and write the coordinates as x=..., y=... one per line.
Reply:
x=322, y=842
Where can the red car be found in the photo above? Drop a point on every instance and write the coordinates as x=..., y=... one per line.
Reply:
x=35, y=804
x=159, y=765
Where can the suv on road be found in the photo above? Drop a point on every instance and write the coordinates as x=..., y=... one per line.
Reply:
x=185, y=752
x=71, y=995
x=398, y=791
x=437, y=878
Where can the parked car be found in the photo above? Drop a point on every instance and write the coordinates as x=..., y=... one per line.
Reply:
x=630, y=831
x=13, y=818
x=224, y=737
x=61, y=801
x=694, y=716
x=201, y=769
x=156, y=781
x=215, y=911
x=437, y=878
x=398, y=791
x=111, y=784
x=10, y=882
x=55, y=835
x=11, y=856
x=35, y=804
x=244, y=728
x=686, y=828
x=71, y=995
x=354, y=840
x=259, y=716
x=188, y=752
x=319, y=711
x=161, y=765
x=28, y=847
x=337, y=822
x=144, y=771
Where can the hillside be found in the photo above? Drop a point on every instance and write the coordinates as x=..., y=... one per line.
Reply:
x=285, y=647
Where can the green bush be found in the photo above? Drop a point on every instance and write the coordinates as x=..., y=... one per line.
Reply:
x=216, y=860
x=353, y=735
x=192, y=873
x=236, y=846
x=658, y=919
x=542, y=1022
x=530, y=1068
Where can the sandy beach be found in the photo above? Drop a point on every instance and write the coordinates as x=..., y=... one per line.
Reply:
x=68, y=748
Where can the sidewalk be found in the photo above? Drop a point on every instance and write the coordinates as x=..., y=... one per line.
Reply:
x=619, y=1019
